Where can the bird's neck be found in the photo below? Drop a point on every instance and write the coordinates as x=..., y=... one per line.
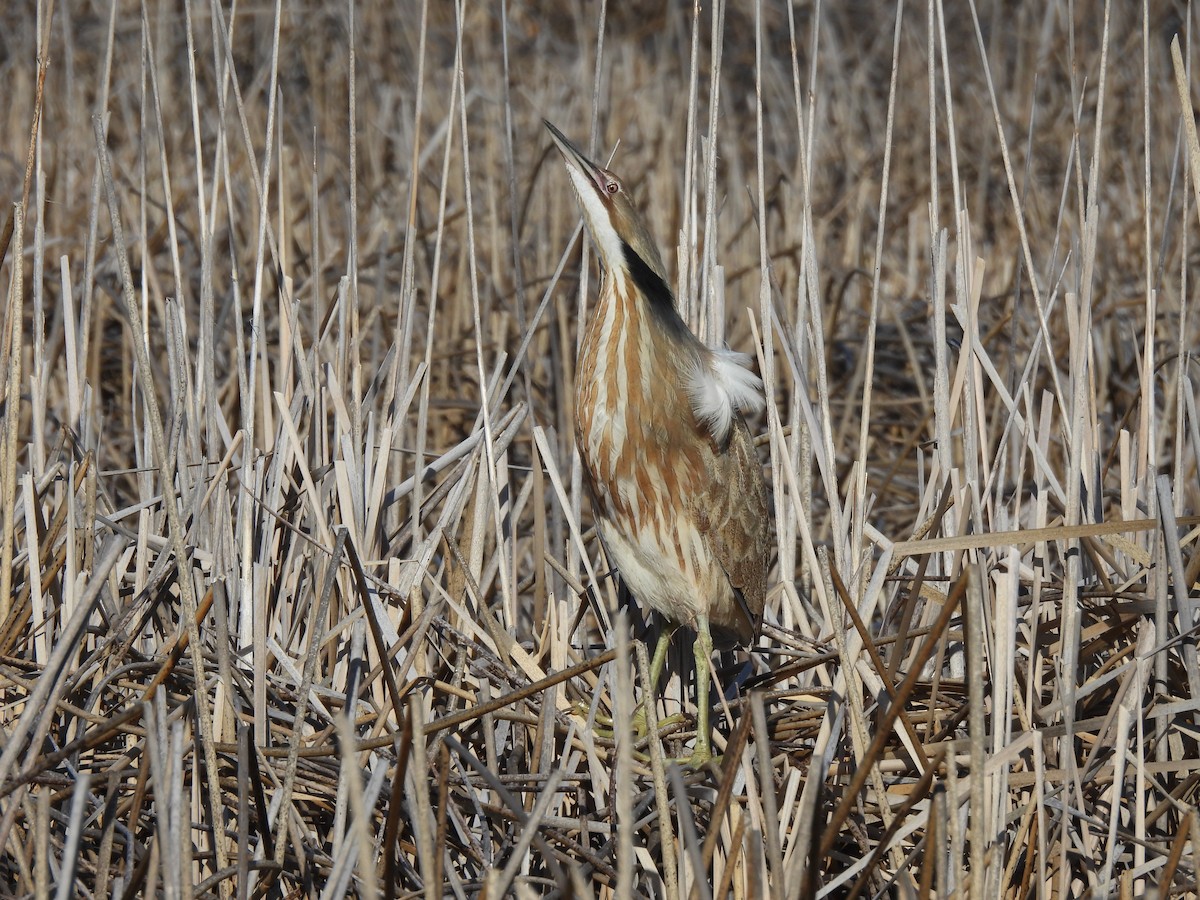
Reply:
x=643, y=284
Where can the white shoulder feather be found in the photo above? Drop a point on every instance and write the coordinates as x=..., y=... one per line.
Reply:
x=721, y=385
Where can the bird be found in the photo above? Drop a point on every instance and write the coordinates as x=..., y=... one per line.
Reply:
x=678, y=491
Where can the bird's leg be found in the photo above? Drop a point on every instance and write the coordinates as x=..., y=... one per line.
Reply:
x=657, y=663
x=659, y=659
x=640, y=718
x=703, y=648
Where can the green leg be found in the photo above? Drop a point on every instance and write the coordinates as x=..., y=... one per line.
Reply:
x=659, y=660
x=641, y=717
x=657, y=663
x=703, y=648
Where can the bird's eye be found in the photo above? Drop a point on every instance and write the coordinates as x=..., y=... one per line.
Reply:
x=614, y=186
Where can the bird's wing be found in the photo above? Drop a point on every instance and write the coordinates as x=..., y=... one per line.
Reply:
x=739, y=532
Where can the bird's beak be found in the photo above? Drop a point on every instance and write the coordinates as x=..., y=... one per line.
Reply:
x=575, y=159
x=610, y=219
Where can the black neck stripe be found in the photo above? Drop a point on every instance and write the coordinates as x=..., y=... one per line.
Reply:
x=658, y=296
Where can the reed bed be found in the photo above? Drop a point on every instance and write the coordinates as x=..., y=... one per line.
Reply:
x=299, y=589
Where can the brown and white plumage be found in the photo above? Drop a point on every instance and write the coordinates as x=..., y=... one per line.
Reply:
x=676, y=484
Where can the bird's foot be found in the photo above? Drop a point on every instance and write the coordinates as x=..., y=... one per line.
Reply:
x=701, y=758
x=604, y=724
x=641, y=727
x=606, y=727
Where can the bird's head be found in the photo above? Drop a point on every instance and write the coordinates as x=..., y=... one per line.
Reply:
x=622, y=238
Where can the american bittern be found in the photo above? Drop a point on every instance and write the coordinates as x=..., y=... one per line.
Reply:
x=677, y=488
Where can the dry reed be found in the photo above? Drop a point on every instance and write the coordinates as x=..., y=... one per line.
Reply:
x=299, y=594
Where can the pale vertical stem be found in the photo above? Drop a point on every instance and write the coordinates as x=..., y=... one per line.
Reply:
x=44, y=632
x=352, y=771
x=1145, y=641
x=89, y=271
x=71, y=345
x=1185, y=390
x=686, y=250
x=940, y=850
x=434, y=276
x=1148, y=406
x=858, y=519
x=689, y=837
x=943, y=461
x=702, y=313
x=942, y=414
x=1162, y=612
x=12, y=345
x=1185, y=384
x=355, y=361
x=506, y=575
x=402, y=336
x=171, y=505
x=39, y=377
x=943, y=55
x=418, y=775
x=623, y=713
x=931, y=74
x=765, y=310
x=584, y=279
x=212, y=422
x=75, y=826
x=155, y=749
x=964, y=235
x=248, y=417
x=254, y=606
x=764, y=289
x=183, y=398
x=1185, y=604
x=1116, y=794
x=143, y=239
x=41, y=835
x=977, y=728
x=762, y=744
x=281, y=802
x=975, y=448
x=72, y=540
x=808, y=309
x=666, y=835
x=518, y=272
x=182, y=815
x=1081, y=462
x=1071, y=613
